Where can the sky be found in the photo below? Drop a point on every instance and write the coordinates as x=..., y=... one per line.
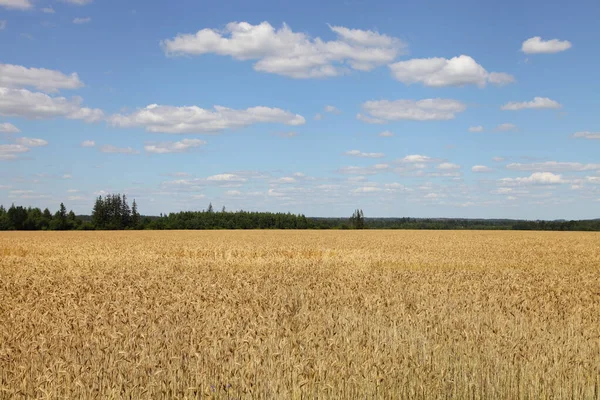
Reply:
x=471, y=109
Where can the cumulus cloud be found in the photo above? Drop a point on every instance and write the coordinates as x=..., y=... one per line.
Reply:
x=8, y=128
x=174, y=147
x=226, y=178
x=88, y=143
x=81, y=20
x=32, y=142
x=46, y=80
x=118, y=150
x=358, y=153
x=16, y=4
x=284, y=52
x=441, y=72
x=285, y=180
x=372, y=170
x=481, y=168
x=537, y=178
x=477, y=128
x=498, y=159
x=380, y=111
x=587, y=135
x=332, y=110
x=553, y=166
x=34, y=105
x=193, y=119
x=448, y=166
x=536, y=103
x=11, y=151
x=417, y=158
x=386, y=134
x=506, y=127
x=536, y=45
x=367, y=189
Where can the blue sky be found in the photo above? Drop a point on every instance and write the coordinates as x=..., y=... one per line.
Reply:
x=428, y=109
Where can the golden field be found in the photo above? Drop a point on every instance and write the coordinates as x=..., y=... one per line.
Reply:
x=300, y=314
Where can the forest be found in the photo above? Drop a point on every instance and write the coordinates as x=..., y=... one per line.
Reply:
x=113, y=212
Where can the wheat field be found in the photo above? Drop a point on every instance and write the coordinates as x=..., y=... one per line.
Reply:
x=300, y=314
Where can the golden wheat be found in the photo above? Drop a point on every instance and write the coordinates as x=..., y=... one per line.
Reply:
x=300, y=314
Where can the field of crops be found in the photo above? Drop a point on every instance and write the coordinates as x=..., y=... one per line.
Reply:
x=300, y=314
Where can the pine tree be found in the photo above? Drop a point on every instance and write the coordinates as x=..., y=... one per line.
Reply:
x=99, y=214
x=357, y=220
x=210, y=208
x=135, y=216
x=125, y=213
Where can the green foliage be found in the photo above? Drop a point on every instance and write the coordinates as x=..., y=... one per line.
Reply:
x=357, y=220
x=113, y=212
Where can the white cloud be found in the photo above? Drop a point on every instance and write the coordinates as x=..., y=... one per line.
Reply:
x=31, y=142
x=498, y=159
x=503, y=190
x=448, y=166
x=587, y=135
x=477, y=128
x=481, y=168
x=506, y=128
x=417, y=158
x=274, y=193
x=226, y=178
x=35, y=105
x=536, y=103
x=8, y=128
x=284, y=52
x=81, y=20
x=440, y=72
x=233, y=193
x=78, y=2
x=537, y=45
x=286, y=180
x=75, y=198
x=10, y=151
x=3, y=24
x=118, y=150
x=193, y=119
x=358, y=153
x=16, y=4
x=73, y=191
x=46, y=80
x=67, y=176
x=48, y=10
x=318, y=117
x=539, y=178
x=417, y=110
x=88, y=143
x=332, y=110
x=386, y=134
x=174, y=147
x=553, y=166
x=367, y=189
x=354, y=170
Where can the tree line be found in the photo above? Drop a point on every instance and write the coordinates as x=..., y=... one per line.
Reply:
x=113, y=212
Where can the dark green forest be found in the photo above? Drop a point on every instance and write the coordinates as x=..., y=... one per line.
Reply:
x=113, y=212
